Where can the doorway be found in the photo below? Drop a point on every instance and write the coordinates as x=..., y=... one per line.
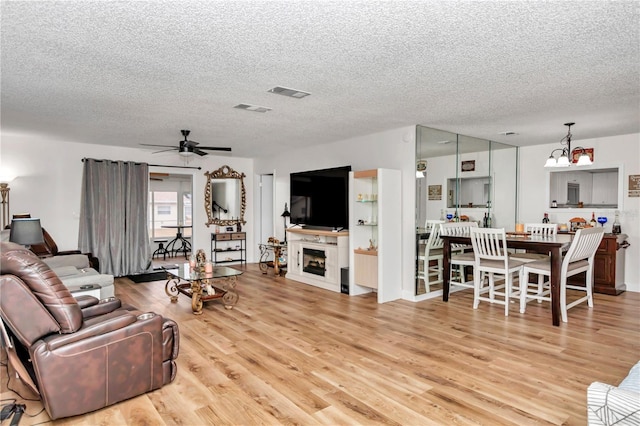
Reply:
x=266, y=223
x=170, y=217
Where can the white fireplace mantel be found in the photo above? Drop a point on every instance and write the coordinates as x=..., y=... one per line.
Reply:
x=335, y=246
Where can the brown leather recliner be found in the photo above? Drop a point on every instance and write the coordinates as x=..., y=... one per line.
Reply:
x=79, y=355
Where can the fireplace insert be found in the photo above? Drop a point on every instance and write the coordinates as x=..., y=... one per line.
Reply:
x=313, y=261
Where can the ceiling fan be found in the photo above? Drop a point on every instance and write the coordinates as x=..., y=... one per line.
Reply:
x=187, y=148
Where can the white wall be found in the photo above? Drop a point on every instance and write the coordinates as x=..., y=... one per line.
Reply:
x=49, y=180
x=616, y=151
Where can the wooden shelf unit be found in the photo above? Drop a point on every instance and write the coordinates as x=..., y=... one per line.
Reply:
x=375, y=233
x=227, y=242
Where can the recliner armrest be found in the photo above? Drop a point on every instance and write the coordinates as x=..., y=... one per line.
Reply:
x=86, y=301
x=103, y=324
x=101, y=307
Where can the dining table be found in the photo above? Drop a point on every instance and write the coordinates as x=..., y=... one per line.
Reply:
x=183, y=245
x=553, y=245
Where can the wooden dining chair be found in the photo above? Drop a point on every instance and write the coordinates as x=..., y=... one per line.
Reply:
x=491, y=259
x=430, y=223
x=537, y=230
x=432, y=252
x=579, y=258
x=462, y=255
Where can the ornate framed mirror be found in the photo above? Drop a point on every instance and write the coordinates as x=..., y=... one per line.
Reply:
x=225, y=197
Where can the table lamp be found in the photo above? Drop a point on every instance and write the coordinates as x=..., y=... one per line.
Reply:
x=285, y=214
x=26, y=232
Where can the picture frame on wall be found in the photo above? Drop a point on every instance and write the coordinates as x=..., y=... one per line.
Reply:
x=468, y=166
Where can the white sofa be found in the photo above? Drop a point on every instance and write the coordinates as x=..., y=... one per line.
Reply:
x=615, y=405
x=75, y=273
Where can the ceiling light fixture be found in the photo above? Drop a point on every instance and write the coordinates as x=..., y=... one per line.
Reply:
x=185, y=151
x=563, y=160
x=292, y=93
x=254, y=108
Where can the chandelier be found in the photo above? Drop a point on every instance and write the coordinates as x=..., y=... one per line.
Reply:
x=564, y=160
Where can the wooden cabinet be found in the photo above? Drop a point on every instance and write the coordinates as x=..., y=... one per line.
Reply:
x=365, y=264
x=229, y=247
x=608, y=267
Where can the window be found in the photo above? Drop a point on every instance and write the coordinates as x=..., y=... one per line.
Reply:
x=169, y=207
x=163, y=210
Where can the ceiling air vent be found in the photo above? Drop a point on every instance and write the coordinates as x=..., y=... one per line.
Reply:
x=254, y=108
x=292, y=93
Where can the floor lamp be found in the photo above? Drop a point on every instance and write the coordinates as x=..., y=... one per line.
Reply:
x=4, y=193
x=285, y=214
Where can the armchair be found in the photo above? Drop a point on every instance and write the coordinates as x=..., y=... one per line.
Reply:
x=83, y=354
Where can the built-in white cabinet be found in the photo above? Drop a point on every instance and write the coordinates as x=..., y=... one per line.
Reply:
x=375, y=214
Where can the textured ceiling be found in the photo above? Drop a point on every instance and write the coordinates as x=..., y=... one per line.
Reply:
x=131, y=72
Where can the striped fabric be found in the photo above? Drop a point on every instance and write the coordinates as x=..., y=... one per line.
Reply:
x=611, y=405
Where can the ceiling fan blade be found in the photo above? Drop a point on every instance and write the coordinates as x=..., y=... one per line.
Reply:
x=215, y=148
x=190, y=143
x=199, y=152
x=165, y=150
x=161, y=146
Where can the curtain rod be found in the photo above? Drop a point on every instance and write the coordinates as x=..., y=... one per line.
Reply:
x=152, y=165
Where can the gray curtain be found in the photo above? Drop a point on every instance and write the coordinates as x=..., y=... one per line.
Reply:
x=113, y=215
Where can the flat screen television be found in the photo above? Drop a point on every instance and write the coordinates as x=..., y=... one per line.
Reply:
x=319, y=198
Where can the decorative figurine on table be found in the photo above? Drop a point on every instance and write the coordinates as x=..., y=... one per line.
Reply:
x=274, y=241
x=372, y=246
x=201, y=259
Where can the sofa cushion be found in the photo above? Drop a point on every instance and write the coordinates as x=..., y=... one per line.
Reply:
x=65, y=271
x=610, y=405
x=632, y=381
x=80, y=261
x=89, y=276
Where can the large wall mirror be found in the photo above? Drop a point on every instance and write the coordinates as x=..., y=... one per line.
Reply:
x=225, y=197
x=588, y=188
x=464, y=178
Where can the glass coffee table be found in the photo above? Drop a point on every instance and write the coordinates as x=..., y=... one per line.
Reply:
x=203, y=286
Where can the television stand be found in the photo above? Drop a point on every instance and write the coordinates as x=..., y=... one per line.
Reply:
x=316, y=256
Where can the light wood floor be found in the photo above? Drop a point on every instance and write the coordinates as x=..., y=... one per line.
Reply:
x=289, y=353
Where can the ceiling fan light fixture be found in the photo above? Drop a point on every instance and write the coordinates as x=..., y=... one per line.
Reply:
x=185, y=151
x=186, y=147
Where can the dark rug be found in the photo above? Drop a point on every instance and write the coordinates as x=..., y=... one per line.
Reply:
x=156, y=275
